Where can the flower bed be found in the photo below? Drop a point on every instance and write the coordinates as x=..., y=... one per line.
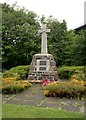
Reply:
x=65, y=90
x=12, y=86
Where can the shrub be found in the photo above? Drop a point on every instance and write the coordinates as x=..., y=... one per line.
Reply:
x=11, y=86
x=9, y=79
x=82, y=83
x=65, y=89
x=66, y=72
x=78, y=76
x=20, y=72
x=12, y=89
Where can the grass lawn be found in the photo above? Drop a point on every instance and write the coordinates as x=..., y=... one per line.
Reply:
x=22, y=111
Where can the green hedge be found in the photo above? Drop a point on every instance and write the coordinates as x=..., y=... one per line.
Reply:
x=66, y=72
x=21, y=72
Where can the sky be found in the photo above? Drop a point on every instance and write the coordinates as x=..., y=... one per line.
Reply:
x=72, y=11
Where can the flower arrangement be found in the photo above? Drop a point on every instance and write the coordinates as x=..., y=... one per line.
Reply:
x=46, y=81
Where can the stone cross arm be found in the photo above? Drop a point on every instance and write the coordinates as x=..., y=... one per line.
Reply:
x=43, y=29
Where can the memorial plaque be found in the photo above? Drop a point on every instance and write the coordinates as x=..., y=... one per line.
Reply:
x=43, y=62
x=42, y=68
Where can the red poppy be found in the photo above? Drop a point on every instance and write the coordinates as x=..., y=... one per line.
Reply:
x=46, y=81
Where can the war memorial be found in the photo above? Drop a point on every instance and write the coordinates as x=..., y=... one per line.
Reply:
x=43, y=65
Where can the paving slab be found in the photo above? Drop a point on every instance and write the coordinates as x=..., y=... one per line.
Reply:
x=70, y=108
x=50, y=105
x=22, y=102
x=51, y=99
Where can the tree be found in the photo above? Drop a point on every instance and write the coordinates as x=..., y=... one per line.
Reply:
x=56, y=43
x=79, y=48
x=20, y=39
x=19, y=35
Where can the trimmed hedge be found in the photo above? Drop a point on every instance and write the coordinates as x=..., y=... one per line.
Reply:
x=66, y=72
x=20, y=72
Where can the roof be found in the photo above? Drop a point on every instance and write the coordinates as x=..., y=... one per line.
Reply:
x=80, y=28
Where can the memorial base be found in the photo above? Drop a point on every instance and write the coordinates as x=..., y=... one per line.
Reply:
x=43, y=66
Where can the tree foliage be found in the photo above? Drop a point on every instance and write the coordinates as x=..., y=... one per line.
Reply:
x=20, y=39
x=19, y=32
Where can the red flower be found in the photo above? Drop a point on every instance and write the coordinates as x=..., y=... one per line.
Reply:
x=45, y=81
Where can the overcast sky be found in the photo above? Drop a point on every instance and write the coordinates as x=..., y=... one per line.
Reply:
x=70, y=10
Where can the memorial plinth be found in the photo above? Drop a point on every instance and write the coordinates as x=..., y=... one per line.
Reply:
x=43, y=65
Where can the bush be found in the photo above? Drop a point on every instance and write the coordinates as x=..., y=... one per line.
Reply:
x=12, y=89
x=78, y=76
x=20, y=72
x=11, y=86
x=66, y=72
x=65, y=89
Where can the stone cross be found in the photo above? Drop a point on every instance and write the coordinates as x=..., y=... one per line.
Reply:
x=44, y=31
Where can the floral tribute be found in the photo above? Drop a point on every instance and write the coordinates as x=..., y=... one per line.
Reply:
x=46, y=81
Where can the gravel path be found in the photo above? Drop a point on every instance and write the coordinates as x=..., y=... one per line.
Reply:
x=34, y=97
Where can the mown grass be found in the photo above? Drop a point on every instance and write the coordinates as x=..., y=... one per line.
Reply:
x=22, y=111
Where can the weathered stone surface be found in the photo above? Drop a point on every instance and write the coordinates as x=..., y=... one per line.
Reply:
x=44, y=32
x=43, y=66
